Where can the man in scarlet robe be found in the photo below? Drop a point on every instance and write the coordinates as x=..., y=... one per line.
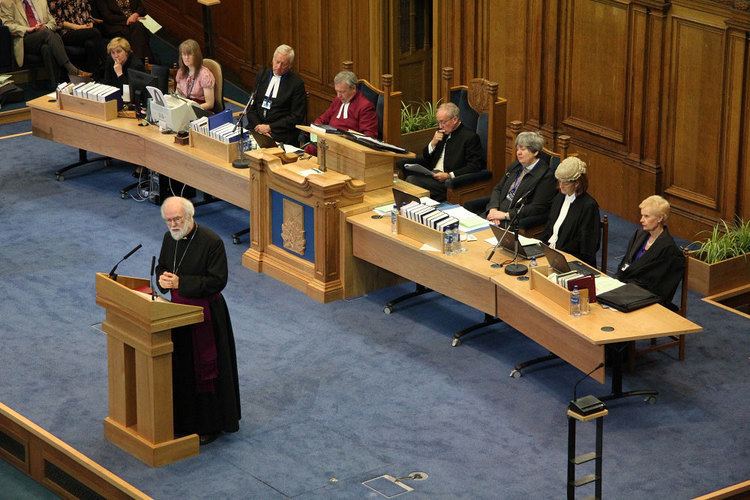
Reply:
x=350, y=110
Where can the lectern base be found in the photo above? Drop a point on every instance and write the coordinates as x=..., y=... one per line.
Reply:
x=152, y=454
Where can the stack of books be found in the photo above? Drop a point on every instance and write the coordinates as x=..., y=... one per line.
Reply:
x=218, y=127
x=572, y=279
x=92, y=91
x=429, y=216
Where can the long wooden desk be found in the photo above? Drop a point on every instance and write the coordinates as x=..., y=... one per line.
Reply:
x=469, y=279
x=124, y=139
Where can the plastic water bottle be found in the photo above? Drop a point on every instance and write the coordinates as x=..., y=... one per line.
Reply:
x=448, y=241
x=394, y=220
x=575, y=302
x=457, y=248
x=533, y=262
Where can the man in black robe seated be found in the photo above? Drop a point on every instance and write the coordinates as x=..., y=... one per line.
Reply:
x=280, y=101
x=193, y=266
x=454, y=150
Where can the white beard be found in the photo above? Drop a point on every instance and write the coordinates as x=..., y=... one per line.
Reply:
x=178, y=234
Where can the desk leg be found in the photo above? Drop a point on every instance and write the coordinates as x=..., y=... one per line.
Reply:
x=488, y=320
x=516, y=372
x=83, y=159
x=617, y=353
x=420, y=290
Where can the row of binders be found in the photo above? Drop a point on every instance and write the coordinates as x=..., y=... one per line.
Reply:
x=219, y=127
x=92, y=91
x=573, y=279
x=429, y=216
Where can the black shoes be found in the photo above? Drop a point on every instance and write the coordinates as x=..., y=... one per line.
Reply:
x=208, y=438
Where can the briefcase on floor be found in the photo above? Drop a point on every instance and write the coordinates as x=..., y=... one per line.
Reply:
x=629, y=297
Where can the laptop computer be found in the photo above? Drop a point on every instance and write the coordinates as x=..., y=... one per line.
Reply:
x=263, y=140
x=507, y=240
x=558, y=262
x=401, y=198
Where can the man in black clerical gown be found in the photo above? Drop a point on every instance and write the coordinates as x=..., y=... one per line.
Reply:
x=193, y=266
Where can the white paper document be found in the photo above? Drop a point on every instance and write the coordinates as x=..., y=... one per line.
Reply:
x=469, y=221
x=606, y=283
x=150, y=24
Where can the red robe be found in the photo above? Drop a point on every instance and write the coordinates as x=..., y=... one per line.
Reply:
x=361, y=116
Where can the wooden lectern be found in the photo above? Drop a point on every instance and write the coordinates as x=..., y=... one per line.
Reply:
x=350, y=158
x=139, y=360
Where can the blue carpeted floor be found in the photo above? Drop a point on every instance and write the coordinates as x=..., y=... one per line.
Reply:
x=337, y=394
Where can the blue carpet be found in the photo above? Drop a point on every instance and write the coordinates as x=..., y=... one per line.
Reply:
x=336, y=394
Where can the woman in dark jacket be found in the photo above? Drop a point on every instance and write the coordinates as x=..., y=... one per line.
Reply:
x=121, y=59
x=573, y=225
x=653, y=261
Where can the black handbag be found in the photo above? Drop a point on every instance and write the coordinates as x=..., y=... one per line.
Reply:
x=10, y=93
x=629, y=297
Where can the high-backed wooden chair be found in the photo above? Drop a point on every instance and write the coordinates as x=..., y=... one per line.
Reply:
x=215, y=68
x=669, y=342
x=387, y=105
x=481, y=110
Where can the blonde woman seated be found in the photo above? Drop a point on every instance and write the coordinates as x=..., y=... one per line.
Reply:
x=194, y=80
x=121, y=60
x=573, y=223
x=653, y=261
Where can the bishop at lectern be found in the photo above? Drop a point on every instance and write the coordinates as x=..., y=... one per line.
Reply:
x=193, y=267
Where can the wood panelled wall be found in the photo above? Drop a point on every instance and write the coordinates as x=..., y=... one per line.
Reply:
x=654, y=93
x=323, y=33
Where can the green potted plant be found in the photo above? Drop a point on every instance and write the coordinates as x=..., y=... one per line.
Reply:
x=721, y=262
x=418, y=125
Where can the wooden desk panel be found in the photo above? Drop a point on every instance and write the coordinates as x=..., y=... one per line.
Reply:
x=124, y=139
x=373, y=242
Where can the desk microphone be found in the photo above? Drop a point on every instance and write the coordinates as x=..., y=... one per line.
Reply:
x=587, y=404
x=151, y=279
x=112, y=273
x=507, y=228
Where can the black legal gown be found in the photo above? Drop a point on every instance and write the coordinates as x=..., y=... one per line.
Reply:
x=201, y=265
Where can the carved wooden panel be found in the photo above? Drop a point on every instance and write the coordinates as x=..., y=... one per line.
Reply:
x=596, y=91
x=694, y=119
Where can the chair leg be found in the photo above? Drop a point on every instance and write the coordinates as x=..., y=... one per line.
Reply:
x=682, y=348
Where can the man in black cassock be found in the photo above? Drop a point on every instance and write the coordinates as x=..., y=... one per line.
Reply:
x=193, y=266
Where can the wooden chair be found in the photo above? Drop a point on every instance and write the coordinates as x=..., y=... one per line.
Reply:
x=481, y=110
x=215, y=68
x=387, y=105
x=669, y=342
x=605, y=244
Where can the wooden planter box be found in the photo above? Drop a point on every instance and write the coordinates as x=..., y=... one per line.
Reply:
x=710, y=279
x=416, y=141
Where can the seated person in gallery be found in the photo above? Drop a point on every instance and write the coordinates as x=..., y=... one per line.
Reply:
x=653, y=261
x=121, y=18
x=526, y=190
x=121, y=59
x=193, y=267
x=193, y=79
x=573, y=223
x=280, y=101
x=454, y=150
x=350, y=110
x=76, y=28
x=32, y=26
